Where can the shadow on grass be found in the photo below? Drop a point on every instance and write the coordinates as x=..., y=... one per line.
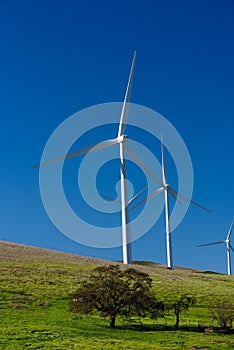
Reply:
x=165, y=328
x=210, y=272
x=154, y=328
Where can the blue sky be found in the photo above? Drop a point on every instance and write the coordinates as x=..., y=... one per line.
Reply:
x=58, y=57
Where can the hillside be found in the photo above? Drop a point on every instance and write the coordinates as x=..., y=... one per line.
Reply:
x=35, y=284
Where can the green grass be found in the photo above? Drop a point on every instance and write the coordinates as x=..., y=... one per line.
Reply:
x=34, y=305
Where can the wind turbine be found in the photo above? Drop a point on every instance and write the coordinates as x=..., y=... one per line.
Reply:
x=228, y=243
x=167, y=191
x=121, y=139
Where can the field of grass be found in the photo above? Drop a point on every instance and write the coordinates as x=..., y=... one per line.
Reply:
x=34, y=305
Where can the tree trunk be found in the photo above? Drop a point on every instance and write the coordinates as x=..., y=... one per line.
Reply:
x=177, y=320
x=112, y=321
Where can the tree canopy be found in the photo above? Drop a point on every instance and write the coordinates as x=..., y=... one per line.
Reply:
x=223, y=313
x=113, y=291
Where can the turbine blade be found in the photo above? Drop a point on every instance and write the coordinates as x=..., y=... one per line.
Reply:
x=85, y=150
x=137, y=195
x=219, y=242
x=109, y=198
x=164, y=175
x=189, y=200
x=141, y=164
x=174, y=195
x=152, y=195
x=125, y=108
x=230, y=230
x=231, y=247
x=163, y=163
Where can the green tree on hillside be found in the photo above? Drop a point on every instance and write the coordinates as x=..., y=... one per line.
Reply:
x=181, y=304
x=114, y=291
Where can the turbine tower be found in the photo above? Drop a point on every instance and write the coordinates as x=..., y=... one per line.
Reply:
x=167, y=191
x=167, y=215
x=229, y=247
x=120, y=139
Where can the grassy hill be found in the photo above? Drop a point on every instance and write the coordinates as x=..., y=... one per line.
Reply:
x=34, y=305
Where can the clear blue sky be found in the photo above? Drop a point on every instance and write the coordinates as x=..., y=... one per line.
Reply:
x=58, y=57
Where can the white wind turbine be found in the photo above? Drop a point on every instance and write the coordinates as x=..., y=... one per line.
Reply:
x=120, y=139
x=167, y=191
x=228, y=243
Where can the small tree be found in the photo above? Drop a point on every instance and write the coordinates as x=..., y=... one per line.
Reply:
x=113, y=291
x=180, y=305
x=223, y=313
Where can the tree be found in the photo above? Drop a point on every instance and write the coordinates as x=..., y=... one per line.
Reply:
x=180, y=305
x=223, y=313
x=112, y=291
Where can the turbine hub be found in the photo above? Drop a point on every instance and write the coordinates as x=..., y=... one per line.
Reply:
x=122, y=138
